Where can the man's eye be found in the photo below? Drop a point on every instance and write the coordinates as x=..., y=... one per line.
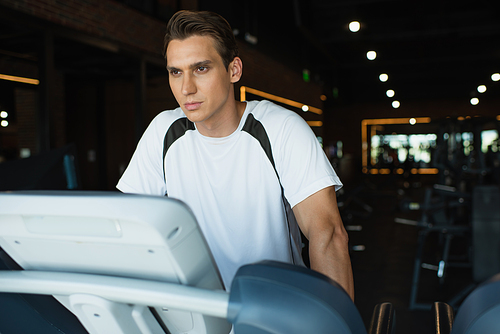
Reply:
x=202, y=69
x=174, y=72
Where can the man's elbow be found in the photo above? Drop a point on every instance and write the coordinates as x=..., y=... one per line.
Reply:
x=334, y=237
x=340, y=235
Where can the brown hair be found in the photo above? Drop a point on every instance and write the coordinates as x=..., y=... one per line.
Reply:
x=185, y=24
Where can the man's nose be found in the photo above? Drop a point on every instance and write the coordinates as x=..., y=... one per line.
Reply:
x=188, y=85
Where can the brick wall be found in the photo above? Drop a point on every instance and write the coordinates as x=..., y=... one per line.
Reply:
x=16, y=67
x=58, y=112
x=107, y=19
x=26, y=113
x=119, y=127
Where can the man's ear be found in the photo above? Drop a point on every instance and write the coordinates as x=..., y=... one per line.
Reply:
x=235, y=69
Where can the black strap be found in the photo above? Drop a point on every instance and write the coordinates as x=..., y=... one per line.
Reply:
x=257, y=130
x=176, y=130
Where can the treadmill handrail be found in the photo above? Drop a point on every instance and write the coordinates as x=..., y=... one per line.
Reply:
x=118, y=289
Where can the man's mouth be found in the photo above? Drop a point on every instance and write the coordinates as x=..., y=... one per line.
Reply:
x=192, y=105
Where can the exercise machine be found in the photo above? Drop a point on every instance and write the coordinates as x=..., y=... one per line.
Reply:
x=106, y=262
x=478, y=314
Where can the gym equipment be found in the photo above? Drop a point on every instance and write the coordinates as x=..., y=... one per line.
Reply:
x=485, y=224
x=128, y=264
x=479, y=313
x=486, y=231
x=444, y=211
x=480, y=227
x=443, y=317
x=461, y=204
x=122, y=246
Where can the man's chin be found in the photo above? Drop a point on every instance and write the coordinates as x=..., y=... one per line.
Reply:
x=193, y=116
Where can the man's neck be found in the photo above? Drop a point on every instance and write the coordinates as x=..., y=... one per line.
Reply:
x=225, y=125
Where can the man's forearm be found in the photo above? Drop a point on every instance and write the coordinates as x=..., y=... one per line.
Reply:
x=320, y=221
x=330, y=256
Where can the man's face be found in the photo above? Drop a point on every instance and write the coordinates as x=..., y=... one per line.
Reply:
x=199, y=81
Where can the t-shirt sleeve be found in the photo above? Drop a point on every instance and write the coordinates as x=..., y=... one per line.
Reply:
x=303, y=166
x=144, y=174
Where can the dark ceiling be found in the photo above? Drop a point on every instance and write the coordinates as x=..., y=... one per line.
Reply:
x=430, y=49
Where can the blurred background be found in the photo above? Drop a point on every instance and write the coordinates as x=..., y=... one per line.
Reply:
x=404, y=97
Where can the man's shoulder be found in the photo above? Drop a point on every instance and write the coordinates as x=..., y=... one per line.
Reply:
x=163, y=121
x=269, y=111
x=169, y=116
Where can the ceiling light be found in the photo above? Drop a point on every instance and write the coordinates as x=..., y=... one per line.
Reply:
x=474, y=101
x=4, y=123
x=390, y=93
x=354, y=26
x=371, y=55
x=396, y=104
x=305, y=108
x=383, y=77
x=4, y=114
x=251, y=38
x=481, y=88
x=413, y=121
x=495, y=76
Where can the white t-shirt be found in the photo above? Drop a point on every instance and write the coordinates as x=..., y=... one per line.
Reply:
x=241, y=201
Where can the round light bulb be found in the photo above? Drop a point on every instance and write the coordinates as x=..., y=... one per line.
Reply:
x=383, y=77
x=495, y=76
x=354, y=26
x=481, y=88
x=390, y=93
x=371, y=55
x=474, y=101
x=396, y=104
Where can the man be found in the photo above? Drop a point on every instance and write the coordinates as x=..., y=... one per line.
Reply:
x=252, y=172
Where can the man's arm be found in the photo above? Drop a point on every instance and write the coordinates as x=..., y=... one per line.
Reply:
x=319, y=219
